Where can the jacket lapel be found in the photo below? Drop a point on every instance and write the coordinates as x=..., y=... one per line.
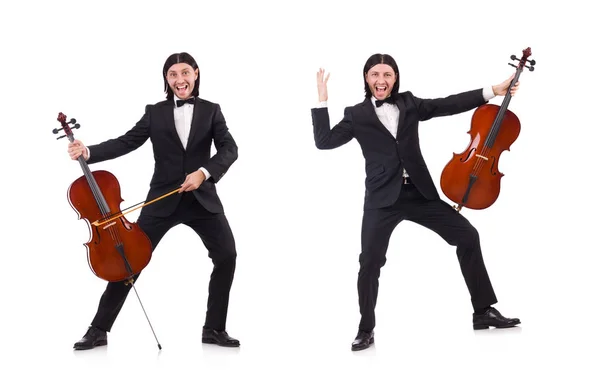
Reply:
x=370, y=113
x=196, y=120
x=170, y=122
x=402, y=108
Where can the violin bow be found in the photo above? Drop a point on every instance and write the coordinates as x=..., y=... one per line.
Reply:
x=101, y=222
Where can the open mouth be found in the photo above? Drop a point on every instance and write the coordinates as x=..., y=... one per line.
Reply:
x=181, y=89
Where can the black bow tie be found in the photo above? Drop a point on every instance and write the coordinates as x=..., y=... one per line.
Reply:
x=181, y=102
x=390, y=99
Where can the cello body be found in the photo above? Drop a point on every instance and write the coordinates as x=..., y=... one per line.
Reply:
x=479, y=163
x=472, y=178
x=116, y=250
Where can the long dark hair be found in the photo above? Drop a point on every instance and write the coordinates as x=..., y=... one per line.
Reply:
x=376, y=59
x=181, y=57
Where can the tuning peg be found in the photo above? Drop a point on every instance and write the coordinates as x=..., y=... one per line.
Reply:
x=514, y=57
x=515, y=66
x=76, y=126
x=58, y=138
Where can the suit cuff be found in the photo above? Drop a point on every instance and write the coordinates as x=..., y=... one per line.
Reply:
x=321, y=104
x=206, y=173
x=88, y=152
x=488, y=93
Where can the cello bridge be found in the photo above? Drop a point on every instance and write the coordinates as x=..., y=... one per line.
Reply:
x=482, y=157
x=108, y=225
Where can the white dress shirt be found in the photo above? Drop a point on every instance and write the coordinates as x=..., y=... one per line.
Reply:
x=183, y=122
x=389, y=113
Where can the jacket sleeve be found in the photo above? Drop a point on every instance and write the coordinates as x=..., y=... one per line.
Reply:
x=117, y=147
x=327, y=137
x=226, y=147
x=450, y=105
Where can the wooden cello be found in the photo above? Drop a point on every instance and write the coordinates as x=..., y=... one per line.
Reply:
x=117, y=250
x=471, y=179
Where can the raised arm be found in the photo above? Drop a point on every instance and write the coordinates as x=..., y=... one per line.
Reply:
x=325, y=136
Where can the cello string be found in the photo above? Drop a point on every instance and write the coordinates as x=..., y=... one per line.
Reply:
x=486, y=149
x=101, y=202
x=115, y=237
x=113, y=230
x=478, y=164
x=492, y=135
x=97, y=193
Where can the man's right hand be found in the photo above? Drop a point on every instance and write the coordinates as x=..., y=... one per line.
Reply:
x=322, y=85
x=76, y=149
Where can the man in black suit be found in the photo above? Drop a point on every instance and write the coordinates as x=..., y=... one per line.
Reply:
x=399, y=185
x=182, y=129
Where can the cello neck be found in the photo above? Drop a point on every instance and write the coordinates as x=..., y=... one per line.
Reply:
x=96, y=191
x=493, y=133
x=491, y=137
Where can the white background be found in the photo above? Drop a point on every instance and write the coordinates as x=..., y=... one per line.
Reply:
x=295, y=210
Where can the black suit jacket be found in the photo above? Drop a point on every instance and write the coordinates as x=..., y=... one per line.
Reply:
x=386, y=156
x=172, y=161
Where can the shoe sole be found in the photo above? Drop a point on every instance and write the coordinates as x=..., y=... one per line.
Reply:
x=213, y=341
x=97, y=344
x=482, y=326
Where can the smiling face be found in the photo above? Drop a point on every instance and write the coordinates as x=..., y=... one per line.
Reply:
x=381, y=79
x=181, y=78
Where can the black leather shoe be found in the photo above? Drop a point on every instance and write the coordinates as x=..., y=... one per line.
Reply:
x=363, y=340
x=493, y=318
x=94, y=337
x=211, y=336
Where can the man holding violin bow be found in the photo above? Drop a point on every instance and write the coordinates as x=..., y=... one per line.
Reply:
x=398, y=183
x=182, y=129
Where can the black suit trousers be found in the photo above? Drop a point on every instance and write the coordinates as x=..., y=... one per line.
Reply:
x=215, y=233
x=436, y=215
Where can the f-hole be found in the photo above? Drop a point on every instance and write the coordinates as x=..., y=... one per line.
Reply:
x=492, y=165
x=468, y=155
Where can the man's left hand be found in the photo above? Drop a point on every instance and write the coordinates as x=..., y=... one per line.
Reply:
x=192, y=181
x=502, y=88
